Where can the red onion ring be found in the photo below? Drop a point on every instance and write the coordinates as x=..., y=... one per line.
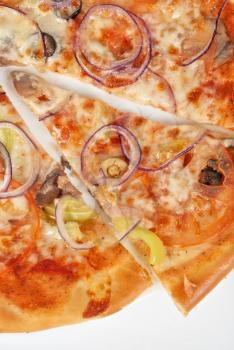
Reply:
x=8, y=168
x=44, y=117
x=36, y=166
x=21, y=12
x=84, y=24
x=210, y=42
x=129, y=230
x=125, y=74
x=170, y=161
x=168, y=88
x=63, y=231
x=134, y=161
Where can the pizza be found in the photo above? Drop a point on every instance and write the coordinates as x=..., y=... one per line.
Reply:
x=60, y=262
x=168, y=189
x=176, y=55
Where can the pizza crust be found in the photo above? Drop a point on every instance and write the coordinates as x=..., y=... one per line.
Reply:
x=128, y=280
x=189, y=283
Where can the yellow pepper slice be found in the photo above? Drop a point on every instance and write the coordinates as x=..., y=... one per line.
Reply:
x=157, y=249
x=73, y=229
x=74, y=210
x=7, y=138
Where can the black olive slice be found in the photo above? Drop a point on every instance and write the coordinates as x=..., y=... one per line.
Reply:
x=50, y=44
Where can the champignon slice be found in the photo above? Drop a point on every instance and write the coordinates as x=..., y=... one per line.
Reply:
x=55, y=185
x=49, y=189
x=224, y=55
x=211, y=175
x=42, y=98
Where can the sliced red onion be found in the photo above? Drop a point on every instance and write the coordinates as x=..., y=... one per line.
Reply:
x=168, y=88
x=35, y=167
x=134, y=159
x=210, y=42
x=63, y=231
x=129, y=230
x=8, y=168
x=82, y=38
x=124, y=74
x=170, y=161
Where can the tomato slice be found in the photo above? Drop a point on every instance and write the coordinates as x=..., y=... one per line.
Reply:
x=19, y=229
x=209, y=210
x=188, y=203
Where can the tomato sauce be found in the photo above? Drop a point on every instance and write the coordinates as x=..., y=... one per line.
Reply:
x=46, y=285
x=194, y=95
x=96, y=307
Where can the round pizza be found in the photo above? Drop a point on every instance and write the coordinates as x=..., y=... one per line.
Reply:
x=131, y=199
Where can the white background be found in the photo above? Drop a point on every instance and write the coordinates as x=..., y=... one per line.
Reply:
x=150, y=323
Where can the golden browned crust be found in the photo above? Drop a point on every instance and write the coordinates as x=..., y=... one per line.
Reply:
x=79, y=301
x=190, y=282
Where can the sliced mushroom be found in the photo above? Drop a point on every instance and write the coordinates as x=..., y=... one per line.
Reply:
x=211, y=175
x=224, y=55
x=114, y=167
x=55, y=185
x=42, y=98
x=222, y=38
x=49, y=189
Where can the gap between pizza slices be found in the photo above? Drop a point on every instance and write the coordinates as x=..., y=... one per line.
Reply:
x=60, y=263
x=174, y=55
x=168, y=189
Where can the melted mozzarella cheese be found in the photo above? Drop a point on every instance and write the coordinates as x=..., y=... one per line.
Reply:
x=170, y=23
x=16, y=45
x=176, y=188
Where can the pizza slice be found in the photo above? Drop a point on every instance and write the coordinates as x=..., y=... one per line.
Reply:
x=59, y=261
x=168, y=189
x=173, y=55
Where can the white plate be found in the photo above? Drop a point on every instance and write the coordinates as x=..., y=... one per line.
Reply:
x=152, y=322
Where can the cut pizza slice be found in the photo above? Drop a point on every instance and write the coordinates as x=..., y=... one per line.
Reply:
x=60, y=263
x=173, y=55
x=168, y=189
